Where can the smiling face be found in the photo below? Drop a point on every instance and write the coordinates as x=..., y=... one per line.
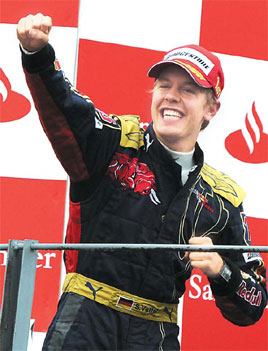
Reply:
x=179, y=107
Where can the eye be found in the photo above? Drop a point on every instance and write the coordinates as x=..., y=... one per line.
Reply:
x=188, y=90
x=164, y=86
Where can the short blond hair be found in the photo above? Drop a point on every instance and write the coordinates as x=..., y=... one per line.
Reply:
x=211, y=99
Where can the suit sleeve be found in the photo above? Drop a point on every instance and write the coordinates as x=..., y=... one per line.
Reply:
x=243, y=297
x=83, y=138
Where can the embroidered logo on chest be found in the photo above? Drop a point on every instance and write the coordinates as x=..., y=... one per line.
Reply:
x=201, y=198
x=133, y=175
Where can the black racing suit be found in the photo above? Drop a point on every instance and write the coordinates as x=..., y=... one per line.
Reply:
x=126, y=188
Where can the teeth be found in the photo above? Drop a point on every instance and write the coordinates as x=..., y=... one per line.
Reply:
x=171, y=114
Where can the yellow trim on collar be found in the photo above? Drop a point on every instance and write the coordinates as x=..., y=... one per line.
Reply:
x=132, y=134
x=223, y=185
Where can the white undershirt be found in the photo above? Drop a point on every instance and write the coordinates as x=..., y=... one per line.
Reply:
x=184, y=159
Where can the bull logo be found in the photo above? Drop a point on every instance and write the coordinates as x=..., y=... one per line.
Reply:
x=132, y=174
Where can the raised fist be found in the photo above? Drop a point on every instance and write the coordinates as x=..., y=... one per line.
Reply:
x=33, y=31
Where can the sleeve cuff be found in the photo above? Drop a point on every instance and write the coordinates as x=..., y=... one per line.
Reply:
x=39, y=60
x=27, y=52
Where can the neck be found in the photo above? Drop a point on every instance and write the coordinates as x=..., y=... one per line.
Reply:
x=177, y=146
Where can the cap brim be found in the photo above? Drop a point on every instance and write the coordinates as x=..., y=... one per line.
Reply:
x=156, y=69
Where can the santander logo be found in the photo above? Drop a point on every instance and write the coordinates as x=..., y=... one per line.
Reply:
x=13, y=105
x=250, y=144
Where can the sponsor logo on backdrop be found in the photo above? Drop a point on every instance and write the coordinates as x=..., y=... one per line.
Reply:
x=199, y=289
x=44, y=261
x=12, y=104
x=250, y=144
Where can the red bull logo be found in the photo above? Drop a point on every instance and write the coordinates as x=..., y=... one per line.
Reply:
x=201, y=198
x=248, y=295
x=132, y=174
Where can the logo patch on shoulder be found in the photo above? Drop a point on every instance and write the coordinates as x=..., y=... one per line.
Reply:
x=109, y=120
x=251, y=256
x=223, y=185
x=131, y=135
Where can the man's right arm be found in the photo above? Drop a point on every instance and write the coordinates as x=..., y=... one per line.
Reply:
x=68, y=118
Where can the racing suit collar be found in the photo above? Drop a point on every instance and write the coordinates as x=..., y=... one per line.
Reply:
x=159, y=152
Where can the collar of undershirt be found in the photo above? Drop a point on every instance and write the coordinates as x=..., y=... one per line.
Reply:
x=184, y=159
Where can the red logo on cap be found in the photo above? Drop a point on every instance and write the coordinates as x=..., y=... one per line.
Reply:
x=254, y=148
x=13, y=105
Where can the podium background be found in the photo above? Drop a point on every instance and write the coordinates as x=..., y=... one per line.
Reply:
x=105, y=48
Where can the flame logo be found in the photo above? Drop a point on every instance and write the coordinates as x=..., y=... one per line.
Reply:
x=249, y=144
x=13, y=105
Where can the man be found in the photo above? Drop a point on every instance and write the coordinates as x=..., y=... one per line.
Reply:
x=132, y=186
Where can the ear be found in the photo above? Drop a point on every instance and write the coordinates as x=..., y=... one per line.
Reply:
x=212, y=109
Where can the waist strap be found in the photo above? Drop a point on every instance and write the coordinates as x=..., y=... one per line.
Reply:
x=120, y=300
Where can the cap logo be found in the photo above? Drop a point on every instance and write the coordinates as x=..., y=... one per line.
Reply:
x=192, y=55
x=192, y=69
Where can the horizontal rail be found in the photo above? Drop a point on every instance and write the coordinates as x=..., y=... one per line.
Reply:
x=169, y=247
x=20, y=279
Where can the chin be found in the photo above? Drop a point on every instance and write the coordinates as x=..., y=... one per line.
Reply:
x=168, y=139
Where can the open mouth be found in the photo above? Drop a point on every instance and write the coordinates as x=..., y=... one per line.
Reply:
x=169, y=114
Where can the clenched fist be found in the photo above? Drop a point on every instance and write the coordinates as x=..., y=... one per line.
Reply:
x=33, y=31
x=210, y=263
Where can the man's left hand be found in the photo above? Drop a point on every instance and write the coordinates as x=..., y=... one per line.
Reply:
x=210, y=263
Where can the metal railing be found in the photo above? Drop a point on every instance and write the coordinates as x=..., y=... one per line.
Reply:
x=20, y=280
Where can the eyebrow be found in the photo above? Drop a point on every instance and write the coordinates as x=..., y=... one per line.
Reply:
x=165, y=79
x=161, y=78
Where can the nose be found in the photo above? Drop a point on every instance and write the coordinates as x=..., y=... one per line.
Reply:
x=172, y=95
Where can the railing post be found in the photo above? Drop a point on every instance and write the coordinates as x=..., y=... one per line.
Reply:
x=25, y=296
x=10, y=296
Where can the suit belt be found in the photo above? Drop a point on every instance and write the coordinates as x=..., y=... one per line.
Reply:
x=120, y=300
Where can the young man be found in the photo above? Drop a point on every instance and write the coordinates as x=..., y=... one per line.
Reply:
x=132, y=186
